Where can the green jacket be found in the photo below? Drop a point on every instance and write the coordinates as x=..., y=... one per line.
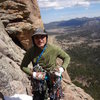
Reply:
x=47, y=60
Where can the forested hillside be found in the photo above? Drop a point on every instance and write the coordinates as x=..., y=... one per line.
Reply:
x=80, y=38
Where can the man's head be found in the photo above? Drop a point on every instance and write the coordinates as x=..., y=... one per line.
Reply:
x=40, y=38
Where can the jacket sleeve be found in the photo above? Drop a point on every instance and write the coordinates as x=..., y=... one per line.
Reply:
x=25, y=62
x=65, y=57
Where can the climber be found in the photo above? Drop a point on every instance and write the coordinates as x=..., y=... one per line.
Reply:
x=43, y=57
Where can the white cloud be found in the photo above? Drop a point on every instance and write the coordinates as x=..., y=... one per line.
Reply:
x=60, y=4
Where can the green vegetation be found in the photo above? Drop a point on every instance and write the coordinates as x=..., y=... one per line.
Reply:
x=85, y=68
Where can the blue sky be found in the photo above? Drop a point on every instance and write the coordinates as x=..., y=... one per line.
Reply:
x=57, y=10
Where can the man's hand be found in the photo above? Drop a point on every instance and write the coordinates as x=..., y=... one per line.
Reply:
x=39, y=75
x=59, y=71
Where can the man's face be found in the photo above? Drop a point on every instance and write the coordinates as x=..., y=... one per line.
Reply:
x=40, y=40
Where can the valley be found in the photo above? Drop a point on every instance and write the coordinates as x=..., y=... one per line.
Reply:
x=82, y=42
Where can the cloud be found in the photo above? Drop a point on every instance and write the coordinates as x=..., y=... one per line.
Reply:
x=93, y=0
x=60, y=4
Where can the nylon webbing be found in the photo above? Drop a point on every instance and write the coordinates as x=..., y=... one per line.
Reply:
x=40, y=55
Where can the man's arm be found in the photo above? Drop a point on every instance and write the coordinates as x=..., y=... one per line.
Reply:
x=65, y=57
x=25, y=62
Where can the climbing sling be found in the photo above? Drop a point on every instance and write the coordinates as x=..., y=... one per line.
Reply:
x=40, y=55
x=39, y=85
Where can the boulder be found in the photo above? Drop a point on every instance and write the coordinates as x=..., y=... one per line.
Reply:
x=21, y=18
x=12, y=79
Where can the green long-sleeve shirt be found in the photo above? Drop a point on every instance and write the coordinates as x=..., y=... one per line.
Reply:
x=47, y=60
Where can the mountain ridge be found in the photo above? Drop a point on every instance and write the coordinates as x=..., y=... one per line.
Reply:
x=72, y=22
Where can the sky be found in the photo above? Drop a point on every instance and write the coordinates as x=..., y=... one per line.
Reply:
x=58, y=10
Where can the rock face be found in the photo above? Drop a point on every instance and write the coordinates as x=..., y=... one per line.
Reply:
x=20, y=20
x=12, y=80
x=72, y=92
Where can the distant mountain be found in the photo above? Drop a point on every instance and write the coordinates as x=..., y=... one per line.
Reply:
x=73, y=23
